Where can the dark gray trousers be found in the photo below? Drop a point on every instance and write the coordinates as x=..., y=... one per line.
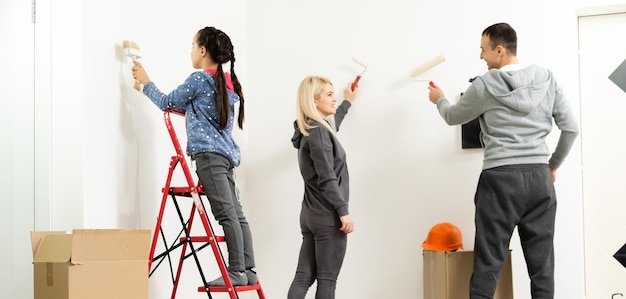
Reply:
x=508, y=196
x=217, y=178
x=321, y=256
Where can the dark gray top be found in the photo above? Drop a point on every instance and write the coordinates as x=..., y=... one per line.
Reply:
x=322, y=162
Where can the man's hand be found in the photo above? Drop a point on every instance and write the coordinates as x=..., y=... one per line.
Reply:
x=435, y=93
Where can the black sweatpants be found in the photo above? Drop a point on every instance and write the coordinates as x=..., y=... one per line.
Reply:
x=508, y=196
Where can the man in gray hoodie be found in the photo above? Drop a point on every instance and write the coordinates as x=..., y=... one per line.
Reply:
x=516, y=106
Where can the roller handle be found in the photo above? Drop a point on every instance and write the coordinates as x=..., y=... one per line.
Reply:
x=355, y=83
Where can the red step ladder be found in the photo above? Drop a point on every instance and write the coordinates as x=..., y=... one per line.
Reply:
x=185, y=242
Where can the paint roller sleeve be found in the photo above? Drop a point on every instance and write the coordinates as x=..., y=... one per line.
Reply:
x=427, y=65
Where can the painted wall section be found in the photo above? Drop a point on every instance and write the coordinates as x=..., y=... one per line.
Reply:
x=407, y=168
x=408, y=172
x=127, y=148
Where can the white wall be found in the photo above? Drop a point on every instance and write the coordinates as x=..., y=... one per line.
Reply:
x=407, y=169
x=17, y=150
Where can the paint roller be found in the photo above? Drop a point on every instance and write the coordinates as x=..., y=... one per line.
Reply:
x=427, y=66
x=358, y=77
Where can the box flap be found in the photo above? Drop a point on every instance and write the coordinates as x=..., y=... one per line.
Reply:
x=110, y=244
x=54, y=248
x=36, y=236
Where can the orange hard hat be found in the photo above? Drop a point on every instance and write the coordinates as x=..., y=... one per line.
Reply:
x=443, y=236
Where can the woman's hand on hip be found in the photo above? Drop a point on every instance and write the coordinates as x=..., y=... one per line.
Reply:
x=347, y=224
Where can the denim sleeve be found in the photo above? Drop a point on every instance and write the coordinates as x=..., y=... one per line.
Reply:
x=179, y=97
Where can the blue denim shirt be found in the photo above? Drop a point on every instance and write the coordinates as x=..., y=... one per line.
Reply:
x=196, y=97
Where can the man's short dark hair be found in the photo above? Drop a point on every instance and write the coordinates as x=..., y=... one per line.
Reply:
x=504, y=35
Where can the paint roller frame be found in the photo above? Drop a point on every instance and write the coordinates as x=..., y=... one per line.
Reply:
x=358, y=77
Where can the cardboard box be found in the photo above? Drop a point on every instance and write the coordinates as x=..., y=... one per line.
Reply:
x=447, y=275
x=95, y=264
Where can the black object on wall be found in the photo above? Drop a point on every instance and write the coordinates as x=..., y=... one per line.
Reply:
x=470, y=135
x=470, y=132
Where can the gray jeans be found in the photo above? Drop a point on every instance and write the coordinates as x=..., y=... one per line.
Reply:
x=508, y=196
x=321, y=256
x=216, y=175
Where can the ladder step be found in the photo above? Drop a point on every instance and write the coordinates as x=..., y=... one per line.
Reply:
x=204, y=239
x=183, y=191
x=227, y=289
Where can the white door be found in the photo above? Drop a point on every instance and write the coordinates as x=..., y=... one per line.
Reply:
x=603, y=138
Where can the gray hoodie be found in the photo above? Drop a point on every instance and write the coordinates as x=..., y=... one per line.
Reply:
x=516, y=107
x=322, y=162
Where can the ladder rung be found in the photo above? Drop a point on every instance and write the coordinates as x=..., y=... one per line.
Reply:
x=226, y=289
x=205, y=239
x=183, y=191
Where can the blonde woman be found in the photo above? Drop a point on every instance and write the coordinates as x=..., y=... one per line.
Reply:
x=325, y=220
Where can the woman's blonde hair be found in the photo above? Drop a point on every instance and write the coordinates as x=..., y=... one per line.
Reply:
x=309, y=90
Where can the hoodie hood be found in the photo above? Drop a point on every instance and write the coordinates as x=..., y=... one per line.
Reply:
x=297, y=135
x=520, y=90
x=229, y=80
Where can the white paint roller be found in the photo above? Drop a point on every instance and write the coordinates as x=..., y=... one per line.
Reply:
x=358, y=77
x=360, y=63
x=427, y=65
